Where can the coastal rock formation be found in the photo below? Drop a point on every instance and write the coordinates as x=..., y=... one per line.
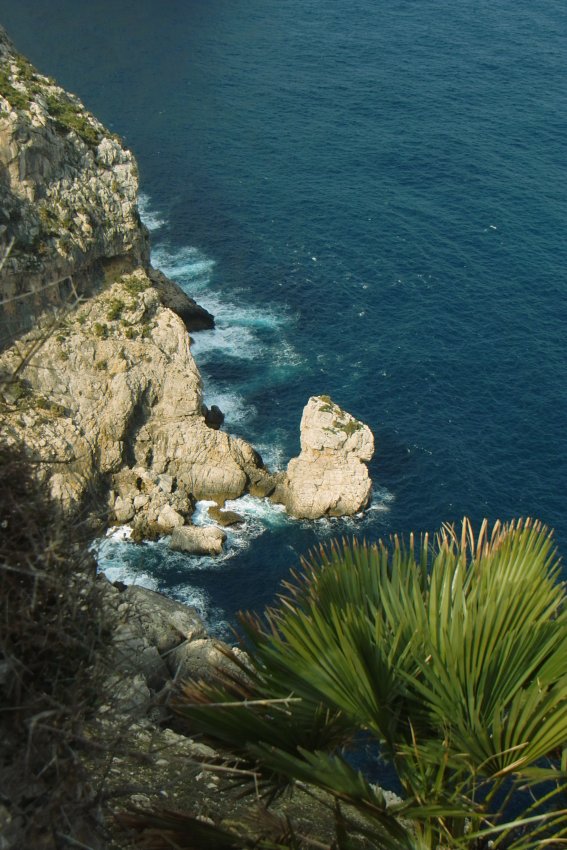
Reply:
x=329, y=478
x=196, y=540
x=105, y=393
x=105, y=390
x=68, y=201
x=114, y=391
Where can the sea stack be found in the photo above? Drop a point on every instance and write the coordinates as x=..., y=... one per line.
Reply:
x=330, y=477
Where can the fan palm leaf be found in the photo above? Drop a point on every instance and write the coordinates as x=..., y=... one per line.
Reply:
x=451, y=652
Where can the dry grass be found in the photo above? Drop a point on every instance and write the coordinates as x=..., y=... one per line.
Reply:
x=51, y=637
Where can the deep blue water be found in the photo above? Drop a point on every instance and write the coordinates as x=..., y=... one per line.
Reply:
x=371, y=197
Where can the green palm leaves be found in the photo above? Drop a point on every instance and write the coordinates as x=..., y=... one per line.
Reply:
x=450, y=653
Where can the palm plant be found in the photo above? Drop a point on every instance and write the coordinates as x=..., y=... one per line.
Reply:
x=451, y=654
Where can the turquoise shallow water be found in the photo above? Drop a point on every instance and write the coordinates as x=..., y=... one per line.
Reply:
x=371, y=197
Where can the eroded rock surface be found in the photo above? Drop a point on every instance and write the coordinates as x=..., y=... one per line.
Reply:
x=114, y=391
x=110, y=395
x=196, y=540
x=68, y=202
x=330, y=477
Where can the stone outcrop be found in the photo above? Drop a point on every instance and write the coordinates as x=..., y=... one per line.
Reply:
x=198, y=540
x=108, y=393
x=224, y=518
x=114, y=391
x=155, y=641
x=68, y=202
x=329, y=478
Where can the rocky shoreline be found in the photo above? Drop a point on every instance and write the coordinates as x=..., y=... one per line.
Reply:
x=99, y=385
x=104, y=390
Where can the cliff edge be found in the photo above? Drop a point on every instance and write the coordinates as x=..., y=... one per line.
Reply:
x=105, y=389
x=68, y=201
x=101, y=386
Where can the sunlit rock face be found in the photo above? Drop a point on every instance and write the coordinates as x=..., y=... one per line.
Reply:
x=330, y=477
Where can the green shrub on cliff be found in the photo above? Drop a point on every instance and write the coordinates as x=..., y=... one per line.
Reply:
x=450, y=655
x=70, y=116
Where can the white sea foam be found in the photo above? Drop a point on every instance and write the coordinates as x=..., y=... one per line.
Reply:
x=114, y=559
x=119, y=533
x=238, y=326
x=381, y=499
x=188, y=266
x=200, y=600
x=338, y=526
x=151, y=217
x=233, y=405
x=273, y=453
x=259, y=515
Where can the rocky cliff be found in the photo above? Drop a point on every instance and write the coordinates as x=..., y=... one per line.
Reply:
x=68, y=198
x=105, y=390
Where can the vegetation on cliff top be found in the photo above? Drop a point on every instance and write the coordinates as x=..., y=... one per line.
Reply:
x=21, y=84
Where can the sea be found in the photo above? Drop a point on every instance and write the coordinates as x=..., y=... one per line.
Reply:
x=371, y=197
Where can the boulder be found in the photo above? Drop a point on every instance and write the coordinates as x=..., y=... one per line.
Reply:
x=329, y=478
x=264, y=484
x=134, y=654
x=164, y=622
x=197, y=540
x=224, y=518
x=194, y=317
x=169, y=518
x=123, y=509
x=199, y=659
x=214, y=417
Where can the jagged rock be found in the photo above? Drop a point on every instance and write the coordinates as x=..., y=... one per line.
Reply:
x=197, y=540
x=130, y=694
x=224, y=518
x=134, y=654
x=195, y=317
x=69, y=191
x=169, y=519
x=123, y=509
x=214, y=417
x=114, y=392
x=111, y=394
x=165, y=483
x=329, y=477
x=264, y=485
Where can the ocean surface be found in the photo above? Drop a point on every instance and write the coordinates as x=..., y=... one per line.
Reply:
x=371, y=197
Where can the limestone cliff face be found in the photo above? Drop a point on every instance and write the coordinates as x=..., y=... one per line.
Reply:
x=110, y=393
x=68, y=201
x=114, y=391
x=68, y=189
x=330, y=477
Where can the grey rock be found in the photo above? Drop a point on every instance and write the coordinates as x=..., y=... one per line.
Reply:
x=194, y=317
x=200, y=659
x=169, y=518
x=164, y=622
x=165, y=482
x=129, y=694
x=225, y=518
x=123, y=509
